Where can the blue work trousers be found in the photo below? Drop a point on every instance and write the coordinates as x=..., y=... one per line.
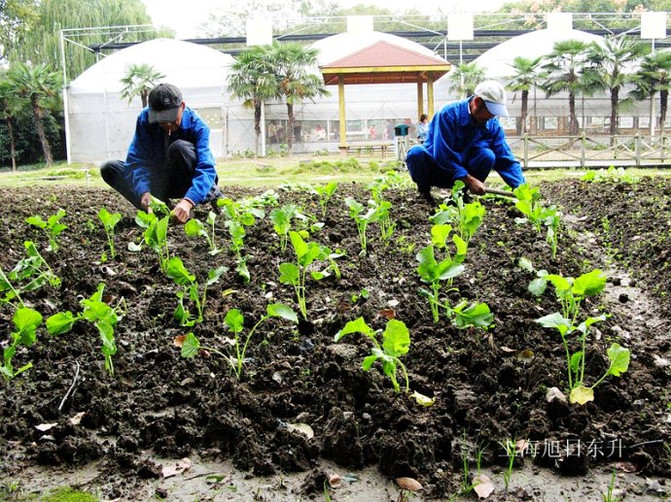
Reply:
x=478, y=161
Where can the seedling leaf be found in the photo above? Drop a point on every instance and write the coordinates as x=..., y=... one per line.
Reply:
x=283, y=311
x=60, y=323
x=234, y=320
x=619, y=359
x=190, y=346
x=581, y=395
x=356, y=326
x=396, y=338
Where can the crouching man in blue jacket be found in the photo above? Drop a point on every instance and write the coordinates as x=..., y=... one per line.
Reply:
x=169, y=157
x=465, y=143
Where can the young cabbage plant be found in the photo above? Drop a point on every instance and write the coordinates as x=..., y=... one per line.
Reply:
x=570, y=293
x=475, y=315
x=307, y=253
x=109, y=221
x=325, y=192
x=363, y=218
x=190, y=290
x=528, y=203
x=234, y=321
x=434, y=272
x=26, y=321
x=98, y=313
x=156, y=230
x=29, y=274
x=395, y=343
x=466, y=218
x=52, y=227
x=241, y=214
x=196, y=228
x=281, y=218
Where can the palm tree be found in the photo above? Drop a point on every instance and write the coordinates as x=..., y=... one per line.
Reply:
x=252, y=80
x=465, y=78
x=654, y=76
x=295, y=70
x=527, y=73
x=608, y=65
x=564, y=67
x=10, y=108
x=39, y=86
x=139, y=80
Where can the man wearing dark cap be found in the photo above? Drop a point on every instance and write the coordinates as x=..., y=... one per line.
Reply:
x=465, y=143
x=169, y=157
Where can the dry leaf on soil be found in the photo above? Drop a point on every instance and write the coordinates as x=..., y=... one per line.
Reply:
x=179, y=467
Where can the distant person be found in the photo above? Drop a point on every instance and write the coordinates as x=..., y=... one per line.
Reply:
x=272, y=133
x=422, y=127
x=169, y=157
x=390, y=131
x=318, y=133
x=372, y=132
x=465, y=143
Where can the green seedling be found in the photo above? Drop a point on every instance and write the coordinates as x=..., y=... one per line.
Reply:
x=570, y=293
x=241, y=214
x=98, y=313
x=196, y=228
x=363, y=218
x=29, y=274
x=466, y=218
x=26, y=321
x=52, y=227
x=281, y=218
x=510, y=447
x=234, y=321
x=325, y=192
x=156, y=230
x=395, y=343
x=529, y=204
x=109, y=221
x=190, y=290
x=434, y=272
x=609, y=496
x=307, y=253
x=363, y=294
x=476, y=315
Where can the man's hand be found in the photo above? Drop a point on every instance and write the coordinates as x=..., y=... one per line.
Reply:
x=474, y=185
x=144, y=202
x=182, y=211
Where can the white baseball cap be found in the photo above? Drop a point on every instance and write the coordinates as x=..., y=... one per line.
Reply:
x=494, y=96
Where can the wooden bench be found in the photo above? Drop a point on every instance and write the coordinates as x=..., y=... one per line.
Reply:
x=368, y=148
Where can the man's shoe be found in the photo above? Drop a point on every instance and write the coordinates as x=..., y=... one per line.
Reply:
x=213, y=196
x=425, y=194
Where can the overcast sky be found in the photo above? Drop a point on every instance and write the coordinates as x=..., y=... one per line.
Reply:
x=184, y=16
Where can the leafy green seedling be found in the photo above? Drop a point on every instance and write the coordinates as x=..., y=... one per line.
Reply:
x=178, y=273
x=52, y=227
x=395, y=343
x=234, y=321
x=156, y=231
x=196, y=228
x=281, y=218
x=363, y=218
x=295, y=274
x=98, y=313
x=466, y=218
x=109, y=221
x=434, y=272
x=325, y=192
x=26, y=321
x=529, y=204
x=570, y=293
x=29, y=274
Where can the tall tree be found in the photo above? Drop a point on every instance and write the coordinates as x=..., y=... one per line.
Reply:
x=17, y=17
x=42, y=43
x=10, y=109
x=39, y=86
x=139, y=80
x=610, y=64
x=253, y=80
x=565, y=66
x=654, y=76
x=527, y=74
x=465, y=78
x=295, y=68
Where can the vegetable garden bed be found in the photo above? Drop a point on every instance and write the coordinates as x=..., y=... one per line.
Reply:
x=241, y=372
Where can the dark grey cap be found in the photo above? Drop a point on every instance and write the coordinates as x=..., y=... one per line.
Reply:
x=165, y=101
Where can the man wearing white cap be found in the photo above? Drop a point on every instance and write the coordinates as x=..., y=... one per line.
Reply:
x=464, y=143
x=169, y=157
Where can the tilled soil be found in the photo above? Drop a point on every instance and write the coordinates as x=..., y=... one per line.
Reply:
x=490, y=385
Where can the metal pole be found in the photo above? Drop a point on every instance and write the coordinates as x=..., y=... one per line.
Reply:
x=66, y=105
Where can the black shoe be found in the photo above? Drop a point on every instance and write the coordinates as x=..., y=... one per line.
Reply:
x=425, y=194
x=212, y=197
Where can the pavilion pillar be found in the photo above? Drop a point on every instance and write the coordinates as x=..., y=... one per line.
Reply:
x=420, y=97
x=343, y=119
x=429, y=93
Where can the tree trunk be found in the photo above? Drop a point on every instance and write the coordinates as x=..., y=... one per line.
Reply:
x=12, y=142
x=290, y=126
x=572, y=120
x=144, y=96
x=614, y=102
x=257, y=125
x=46, y=148
x=663, y=104
x=524, y=110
